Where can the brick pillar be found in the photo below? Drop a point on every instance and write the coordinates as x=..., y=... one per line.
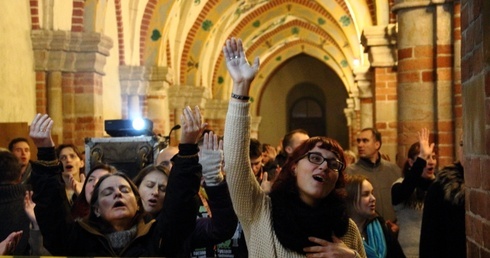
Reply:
x=475, y=77
x=71, y=66
x=380, y=44
x=41, y=105
x=386, y=109
x=425, y=74
x=457, y=99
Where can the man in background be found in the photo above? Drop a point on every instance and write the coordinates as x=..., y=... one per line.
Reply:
x=21, y=149
x=381, y=173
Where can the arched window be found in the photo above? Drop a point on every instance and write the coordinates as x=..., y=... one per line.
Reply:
x=308, y=114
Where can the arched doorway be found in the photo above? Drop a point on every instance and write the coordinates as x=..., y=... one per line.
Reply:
x=303, y=78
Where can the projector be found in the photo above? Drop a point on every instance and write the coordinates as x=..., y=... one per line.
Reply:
x=129, y=127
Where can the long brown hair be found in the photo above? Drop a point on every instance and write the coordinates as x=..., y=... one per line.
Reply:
x=353, y=189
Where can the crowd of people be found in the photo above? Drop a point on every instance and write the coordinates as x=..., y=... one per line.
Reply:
x=233, y=196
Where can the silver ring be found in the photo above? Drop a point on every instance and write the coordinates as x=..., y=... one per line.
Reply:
x=231, y=58
x=236, y=57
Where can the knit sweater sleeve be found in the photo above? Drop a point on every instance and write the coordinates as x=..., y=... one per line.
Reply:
x=245, y=191
x=353, y=240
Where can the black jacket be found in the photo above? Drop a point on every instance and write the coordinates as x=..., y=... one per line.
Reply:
x=163, y=236
x=443, y=221
x=220, y=227
x=12, y=215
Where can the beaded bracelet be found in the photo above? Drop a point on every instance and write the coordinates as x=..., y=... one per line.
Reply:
x=240, y=97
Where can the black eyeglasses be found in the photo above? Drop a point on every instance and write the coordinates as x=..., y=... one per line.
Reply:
x=316, y=158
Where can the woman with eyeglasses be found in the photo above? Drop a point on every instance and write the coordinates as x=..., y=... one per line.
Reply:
x=305, y=213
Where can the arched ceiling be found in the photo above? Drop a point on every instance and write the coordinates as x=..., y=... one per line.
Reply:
x=191, y=35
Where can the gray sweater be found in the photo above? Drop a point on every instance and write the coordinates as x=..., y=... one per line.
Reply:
x=382, y=175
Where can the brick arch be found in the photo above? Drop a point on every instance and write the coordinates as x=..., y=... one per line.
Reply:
x=287, y=48
x=120, y=32
x=246, y=20
x=284, y=49
x=295, y=23
x=309, y=4
x=145, y=22
x=169, y=54
x=392, y=14
x=249, y=18
x=77, y=16
x=191, y=36
x=34, y=9
x=314, y=29
x=372, y=10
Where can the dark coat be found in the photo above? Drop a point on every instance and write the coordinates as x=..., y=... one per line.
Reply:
x=443, y=221
x=13, y=216
x=401, y=192
x=163, y=236
x=221, y=226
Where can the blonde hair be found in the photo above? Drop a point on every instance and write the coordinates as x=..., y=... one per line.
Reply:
x=350, y=155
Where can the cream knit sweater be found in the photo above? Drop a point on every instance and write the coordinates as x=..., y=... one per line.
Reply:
x=251, y=204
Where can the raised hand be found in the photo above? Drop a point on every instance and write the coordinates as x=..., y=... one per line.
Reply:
x=29, y=209
x=393, y=227
x=240, y=70
x=266, y=185
x=337, y=248
x=8, y=245
x=192, y=125
x=426, y=149
x=40, y=131
x=76, y=185
x=211, y=159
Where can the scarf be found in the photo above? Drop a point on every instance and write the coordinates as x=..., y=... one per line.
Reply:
x=294, y=221
x=121, y=239
x=375, y=245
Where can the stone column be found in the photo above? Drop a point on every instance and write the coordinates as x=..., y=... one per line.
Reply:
x=365, y=95
x=157, y=101
x=180, y=96
x=425, y=74
x=134, y=87
x=351, y=112
x=380, y=44
x=215, y=114
x=73, y=62
x=254, y=126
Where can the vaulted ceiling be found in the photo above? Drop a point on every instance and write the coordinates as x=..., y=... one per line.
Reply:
x=187, y=36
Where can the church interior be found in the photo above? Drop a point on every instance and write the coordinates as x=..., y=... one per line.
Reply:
x=332, y=67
